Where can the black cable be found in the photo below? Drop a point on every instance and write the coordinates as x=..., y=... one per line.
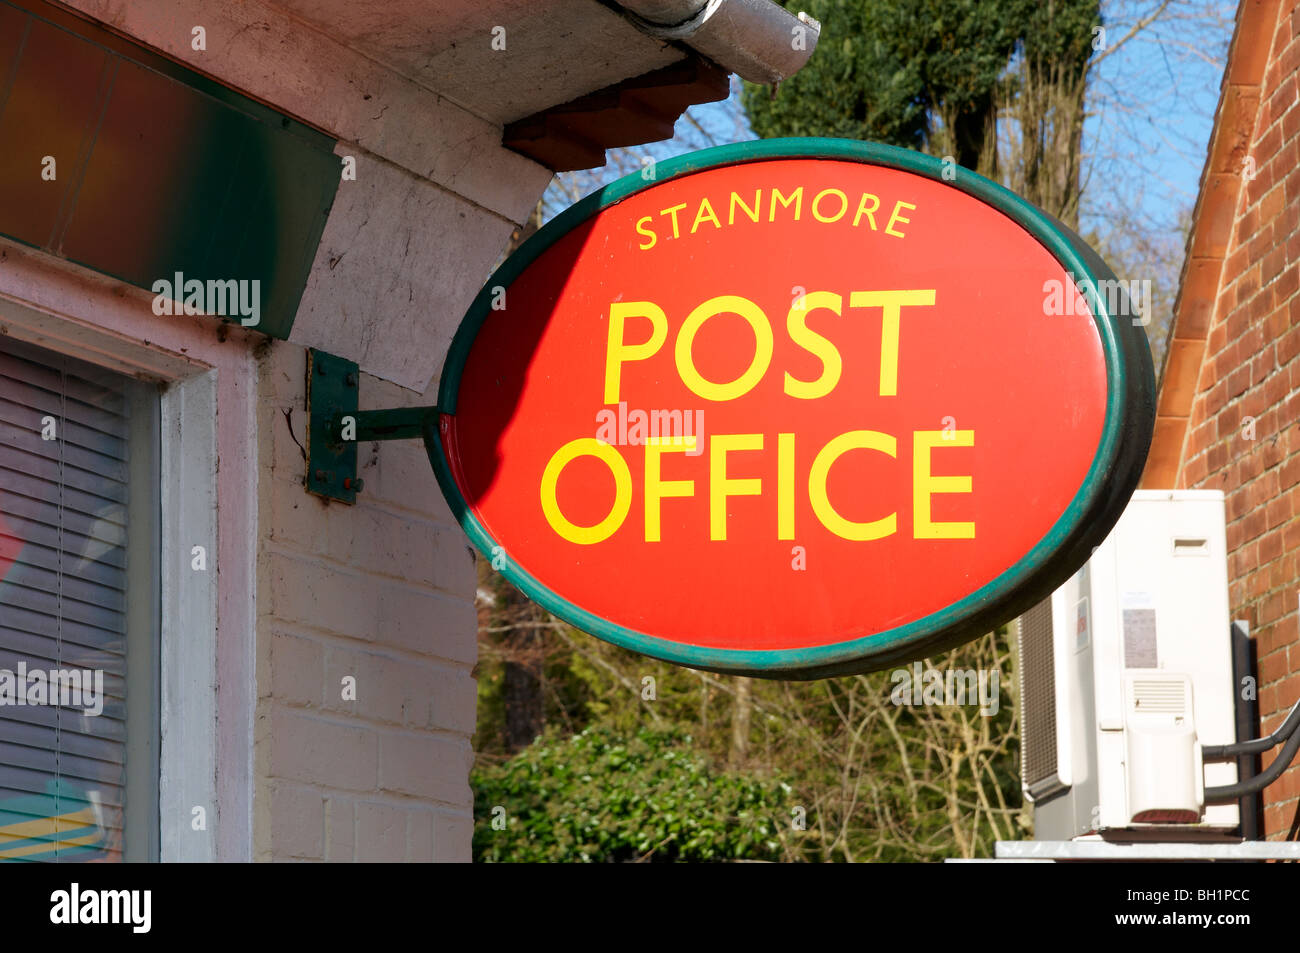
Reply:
x=1255, y=745
x=1231, y=792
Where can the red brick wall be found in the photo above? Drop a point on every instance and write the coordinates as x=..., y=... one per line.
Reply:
x=1250, y=380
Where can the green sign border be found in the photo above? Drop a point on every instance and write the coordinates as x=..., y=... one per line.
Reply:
x=1105, y=491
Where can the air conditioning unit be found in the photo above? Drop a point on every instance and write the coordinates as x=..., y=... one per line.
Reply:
x=1126, y=673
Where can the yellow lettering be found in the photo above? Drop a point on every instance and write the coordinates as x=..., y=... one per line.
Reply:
x=816, y=205
x=655, y=488
x=785, y=486
x=647, y=232
x=870, y=213
x=723, y=304
x=796, y=197
x=617, y=353
x=821, y=468
x=753, y=213
x=924, y=485
x=673, y=211
x=719, y=486
x=824, y=350
x=892, y=302
x=700, y=216
x=586, y=446
x=895, y=217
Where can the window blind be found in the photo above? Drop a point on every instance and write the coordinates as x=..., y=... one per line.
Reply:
x=69, y=563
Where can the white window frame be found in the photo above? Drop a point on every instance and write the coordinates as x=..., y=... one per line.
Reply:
x=208, y=427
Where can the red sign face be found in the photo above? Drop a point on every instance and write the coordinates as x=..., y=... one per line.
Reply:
x=792, y=416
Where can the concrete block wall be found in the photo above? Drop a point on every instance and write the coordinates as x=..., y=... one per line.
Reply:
x=1244, y=429
x=382, y=592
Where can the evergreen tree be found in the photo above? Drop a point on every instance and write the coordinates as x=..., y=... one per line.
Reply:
x=935, y=75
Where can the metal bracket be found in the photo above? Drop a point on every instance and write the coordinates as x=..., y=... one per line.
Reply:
x=335, y=426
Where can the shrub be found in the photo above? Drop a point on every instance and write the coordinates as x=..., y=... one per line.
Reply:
x=603, y=796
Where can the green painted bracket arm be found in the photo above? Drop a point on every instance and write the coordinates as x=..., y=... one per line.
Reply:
x=396, y=423
x=335, y=426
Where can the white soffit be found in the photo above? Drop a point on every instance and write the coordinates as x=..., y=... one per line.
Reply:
x=555, y=50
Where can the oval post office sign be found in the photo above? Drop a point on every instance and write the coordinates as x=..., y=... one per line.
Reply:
x=794, y=408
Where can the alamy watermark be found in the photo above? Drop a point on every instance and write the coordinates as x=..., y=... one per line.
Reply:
x=637, y=427
x=229, y=298
x=131, y=908
x=1128, y=299
x=954, y=687
x=61, y=687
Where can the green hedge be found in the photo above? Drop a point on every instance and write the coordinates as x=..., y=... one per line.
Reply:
x=601, y=796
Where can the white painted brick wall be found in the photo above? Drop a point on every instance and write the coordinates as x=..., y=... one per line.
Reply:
x=401, y=254
x=382, y=592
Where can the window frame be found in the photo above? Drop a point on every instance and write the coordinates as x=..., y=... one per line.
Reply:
x=144, y=629
x=207, y=687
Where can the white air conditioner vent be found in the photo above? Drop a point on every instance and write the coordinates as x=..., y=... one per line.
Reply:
x=1159, y=696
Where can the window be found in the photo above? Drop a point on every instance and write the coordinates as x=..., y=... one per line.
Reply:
x=79, y=610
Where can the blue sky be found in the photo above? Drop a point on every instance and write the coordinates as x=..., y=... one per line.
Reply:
x=1152, y=105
